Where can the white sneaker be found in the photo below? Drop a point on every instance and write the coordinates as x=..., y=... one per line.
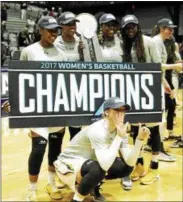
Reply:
x=127, y=183
x=163, y=156
x=31, y=196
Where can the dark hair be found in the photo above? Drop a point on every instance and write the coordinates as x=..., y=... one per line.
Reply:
x=138, y=44
x=155, y=31
x=170, y=49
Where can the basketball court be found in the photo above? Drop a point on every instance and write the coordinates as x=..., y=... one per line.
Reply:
x=16, y=146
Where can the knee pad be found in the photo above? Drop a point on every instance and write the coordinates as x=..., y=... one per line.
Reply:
x=36, y=155
x=119, y=169
x=92, y=174
x=155, y=138
x=73, y=131
x=54, y=146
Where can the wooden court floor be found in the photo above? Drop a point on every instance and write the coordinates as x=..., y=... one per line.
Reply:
x=16, y=146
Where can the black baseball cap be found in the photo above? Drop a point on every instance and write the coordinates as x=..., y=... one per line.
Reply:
x=127, y=19
x=165, y=22
x=67, y=17
x=115, y=103
x=107, y=17
x=48, y=22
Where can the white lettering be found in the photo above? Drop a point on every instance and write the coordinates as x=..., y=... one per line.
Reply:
x=95, y=83
x=44, y=92
x=133, y=92
x=61, y=97
x=22, y=97
x=114, y=79
x=150, y=103
x=78, y=95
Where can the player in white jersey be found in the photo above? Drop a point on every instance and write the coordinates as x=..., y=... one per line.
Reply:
x=139, y=48
x=70, y=44
x=44, y=50
x=112, y=52
x=109, y=41
x=163, y=32
x=91, y=155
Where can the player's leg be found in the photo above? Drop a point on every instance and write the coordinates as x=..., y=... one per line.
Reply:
x=152, y=174
x=139, y=170
x=54, y=149
x=73, y=130
x=34, y=163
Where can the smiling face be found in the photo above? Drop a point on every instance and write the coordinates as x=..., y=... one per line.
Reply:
x=131, y=30
x=109, y=29
x=166, y=32
x=49, y=35
x=69, y=29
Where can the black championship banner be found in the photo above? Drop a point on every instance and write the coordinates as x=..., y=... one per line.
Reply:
x=45, y=94
x=4, y=88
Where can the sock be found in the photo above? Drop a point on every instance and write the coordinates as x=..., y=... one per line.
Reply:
x=161, y=131
x=78, y=197
x=33, y=186
x=154, y=165
x=155, y=158
x=51, y=179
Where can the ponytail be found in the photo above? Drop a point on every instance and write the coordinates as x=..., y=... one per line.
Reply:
x=155, y=31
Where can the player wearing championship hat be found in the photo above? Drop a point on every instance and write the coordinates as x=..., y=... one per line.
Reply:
x=44, y=50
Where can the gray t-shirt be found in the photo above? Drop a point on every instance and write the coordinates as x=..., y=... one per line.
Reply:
x=160, y=48
x=70, y=49
x=95, y=136
x=112, y=51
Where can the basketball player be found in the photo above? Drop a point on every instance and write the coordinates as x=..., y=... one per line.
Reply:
x=139, y=48
x=71, y=45
x=109, y=42
x=44, y=50
x=91, y=155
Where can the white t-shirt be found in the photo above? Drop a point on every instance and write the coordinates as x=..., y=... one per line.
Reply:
x=36, y=52
x=70, y=49
x=112, y=51
x=83, y=145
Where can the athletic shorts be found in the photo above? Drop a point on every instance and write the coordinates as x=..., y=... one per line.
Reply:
x=67, y=170
x=44, y=132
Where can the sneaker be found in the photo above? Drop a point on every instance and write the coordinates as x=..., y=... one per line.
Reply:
x=152, y=176
x=177, y=144
x=171, y=137
x=53, y=192
x=138, y=172
x=126, y=183
x=96, y=195
x=163, y=156
x=147, y=148
x=31, y=196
